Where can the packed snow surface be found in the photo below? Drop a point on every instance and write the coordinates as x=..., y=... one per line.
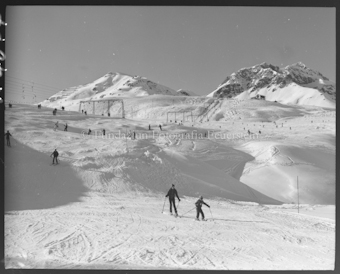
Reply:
x=104, y=205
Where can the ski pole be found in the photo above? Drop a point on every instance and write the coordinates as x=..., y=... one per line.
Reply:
x=188, y=211
x=211, y=214
x=163, y=204
x=178, y=204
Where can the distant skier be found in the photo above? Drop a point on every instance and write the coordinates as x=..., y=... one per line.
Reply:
x=149, y=127
x=171, y=194
x=8, y=141
x=85, y=112
x=104, y=132
x=65, y=129
x=82, y=111
x=55, y=156
x=160, y=127
x=89, y=132
x=56, y=125
x=199, y=208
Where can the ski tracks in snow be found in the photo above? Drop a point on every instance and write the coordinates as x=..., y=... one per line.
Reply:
x=116, y=232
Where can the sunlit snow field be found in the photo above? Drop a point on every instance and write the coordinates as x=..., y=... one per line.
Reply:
x=101, y=207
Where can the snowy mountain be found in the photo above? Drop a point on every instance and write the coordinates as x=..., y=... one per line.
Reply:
x=112, y=85
x=294, y=84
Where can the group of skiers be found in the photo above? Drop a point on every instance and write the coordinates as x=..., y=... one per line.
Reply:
x=172, y=194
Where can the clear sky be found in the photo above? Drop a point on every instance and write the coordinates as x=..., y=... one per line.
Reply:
x=187, y=47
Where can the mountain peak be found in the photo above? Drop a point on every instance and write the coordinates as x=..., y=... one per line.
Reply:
x=112, y=85
x=272, y=80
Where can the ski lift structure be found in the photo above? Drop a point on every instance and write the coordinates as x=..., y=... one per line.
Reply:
x=183, y=116
x=91, y=104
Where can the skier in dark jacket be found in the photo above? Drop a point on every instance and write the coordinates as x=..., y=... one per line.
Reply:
x=65, y=129
x=199, y=208
x=7, y=134
x=171, y=194
x=55, y=156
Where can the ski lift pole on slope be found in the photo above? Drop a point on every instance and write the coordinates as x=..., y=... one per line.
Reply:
x=127, y=149
x=297, y=182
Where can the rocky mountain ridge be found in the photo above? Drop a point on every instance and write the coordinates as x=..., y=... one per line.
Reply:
x=266, y=77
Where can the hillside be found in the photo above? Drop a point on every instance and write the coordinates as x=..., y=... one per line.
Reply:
x=101, y=206
x=111, y=85
x=293, y=84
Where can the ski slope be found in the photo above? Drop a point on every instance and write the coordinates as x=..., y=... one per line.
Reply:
x=101, y=207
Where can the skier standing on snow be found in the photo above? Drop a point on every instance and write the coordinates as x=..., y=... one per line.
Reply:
x=171, y=194
x=65, y=129
x=199, y=208
x=55, y=156
x=7, y=134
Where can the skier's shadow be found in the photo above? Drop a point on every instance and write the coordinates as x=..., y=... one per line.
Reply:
x=31, y=182
x=226, y=220
x=243, y=221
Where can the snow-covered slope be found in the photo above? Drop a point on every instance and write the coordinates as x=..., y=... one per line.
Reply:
x=110, y=85
x=101, y=207
x=294, y=84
